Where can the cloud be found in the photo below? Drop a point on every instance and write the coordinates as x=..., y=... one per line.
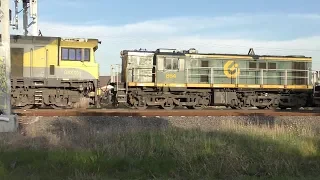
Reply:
x=266, y=33
x=305, y=16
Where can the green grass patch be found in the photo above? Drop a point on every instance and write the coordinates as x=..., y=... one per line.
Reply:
x=228, y=153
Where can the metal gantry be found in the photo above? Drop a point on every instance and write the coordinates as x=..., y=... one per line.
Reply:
x=30, y=16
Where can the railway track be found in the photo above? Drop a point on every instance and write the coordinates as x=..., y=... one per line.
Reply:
x=157, y=112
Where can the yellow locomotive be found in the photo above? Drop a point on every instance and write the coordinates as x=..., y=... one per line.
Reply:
x=53, y=71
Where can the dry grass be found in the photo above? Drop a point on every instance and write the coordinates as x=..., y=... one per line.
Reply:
x=160, y=149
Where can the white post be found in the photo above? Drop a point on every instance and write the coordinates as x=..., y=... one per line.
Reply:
x=112, y=79
x=8, y=122
x=6, y=58
x=237, y=80
x=187, y=75
x=261, y=73
x=212, y=74
x=308, y=81
x=286, y=77
x=118, y=66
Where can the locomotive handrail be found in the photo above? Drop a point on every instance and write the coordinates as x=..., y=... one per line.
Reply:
x=218, y=72
x=288, y=74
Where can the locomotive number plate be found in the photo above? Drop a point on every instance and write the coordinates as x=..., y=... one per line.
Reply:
x=171, y=76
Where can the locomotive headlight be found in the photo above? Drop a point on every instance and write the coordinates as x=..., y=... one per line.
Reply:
x=81, y=88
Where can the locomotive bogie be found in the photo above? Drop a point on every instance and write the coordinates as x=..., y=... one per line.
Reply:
x=56, y=93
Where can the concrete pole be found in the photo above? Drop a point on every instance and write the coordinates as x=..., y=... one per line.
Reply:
x=6, y=56
x=8, y=122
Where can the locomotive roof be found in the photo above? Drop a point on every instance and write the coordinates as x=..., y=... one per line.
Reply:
x=246, y=55
x=15, y=36
x=185, y=52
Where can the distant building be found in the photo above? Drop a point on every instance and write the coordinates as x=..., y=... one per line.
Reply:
x=104, y=80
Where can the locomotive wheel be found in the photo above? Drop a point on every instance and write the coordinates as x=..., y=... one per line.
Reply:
x=271, y=107
x=60, y=107
x=140, y=103
x=28, y=106
x=234, y=104
x=197, y=107
x=140, y=106
x=168, y=104
x=128, y=105
x=201, y=103
x=261, y=107
x=55, y=106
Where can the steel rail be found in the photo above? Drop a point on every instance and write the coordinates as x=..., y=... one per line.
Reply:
x=156, y=112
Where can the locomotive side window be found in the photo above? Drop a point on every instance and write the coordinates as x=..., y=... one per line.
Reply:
x=65, y=54
x=171, y=63
x=272, y=65
x=167, y=63
x=86, y=54
x=252, y=65
x=175, y=64
x=72, y=54
x=75, y=54
x=78, y=54
x=203, y=77
x=204, y=63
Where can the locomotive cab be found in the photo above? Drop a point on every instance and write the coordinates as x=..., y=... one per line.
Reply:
x=53, y=71
x=170, y=67
x=77, y=59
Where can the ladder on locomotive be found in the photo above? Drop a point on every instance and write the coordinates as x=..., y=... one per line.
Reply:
x=120, y=88
x=38, y=99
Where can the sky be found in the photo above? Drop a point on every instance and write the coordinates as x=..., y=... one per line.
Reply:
x=286, y=27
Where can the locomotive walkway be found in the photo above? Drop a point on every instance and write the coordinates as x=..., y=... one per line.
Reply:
x=160, y=112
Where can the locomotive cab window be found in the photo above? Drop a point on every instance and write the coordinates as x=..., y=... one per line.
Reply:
x=204, y=63
x=75, y=54
x=171, y=63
